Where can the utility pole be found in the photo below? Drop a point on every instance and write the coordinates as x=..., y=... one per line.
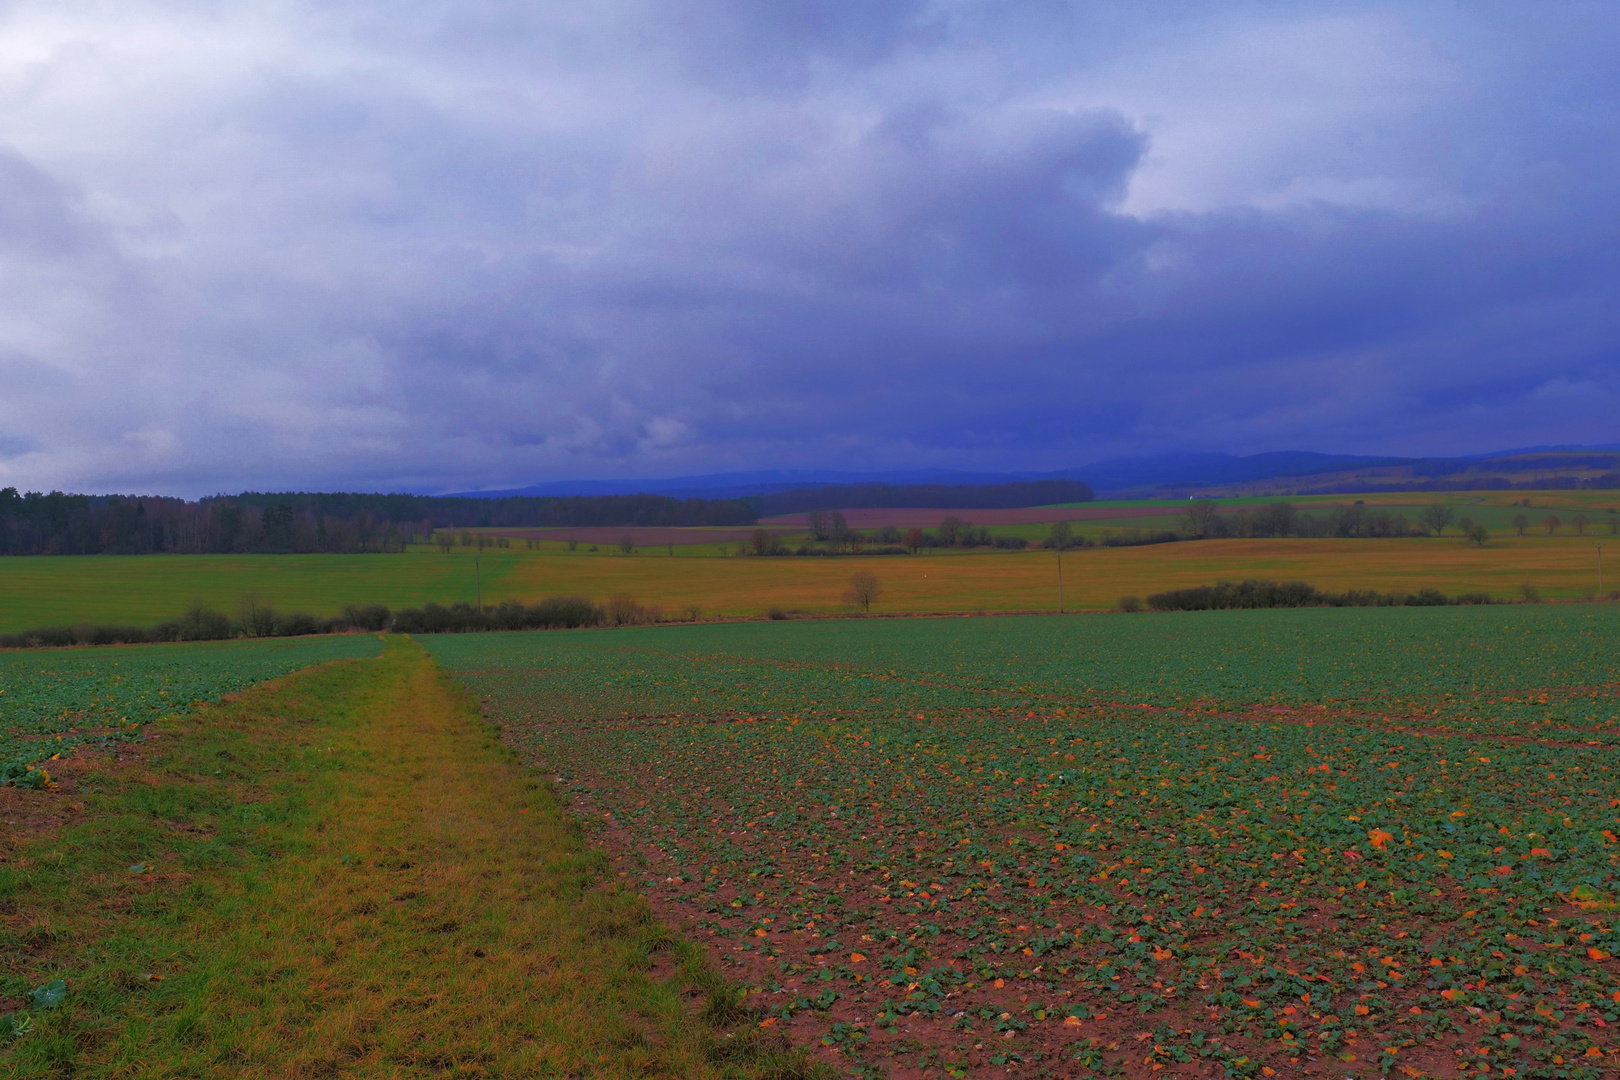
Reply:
x=478, y=569
x=1060, y=540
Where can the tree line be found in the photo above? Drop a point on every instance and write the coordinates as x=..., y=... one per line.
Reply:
x=831, y=534
x=1203, y=519
x=304, y=522
x=255, y=618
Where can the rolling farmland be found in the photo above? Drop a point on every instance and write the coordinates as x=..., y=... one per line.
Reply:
x=142, y=590
x=1322, y=842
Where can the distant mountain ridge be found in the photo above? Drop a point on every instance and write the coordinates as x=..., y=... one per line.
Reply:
x=1162, y=475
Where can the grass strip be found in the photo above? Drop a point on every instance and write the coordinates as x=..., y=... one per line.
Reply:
x=345, y=872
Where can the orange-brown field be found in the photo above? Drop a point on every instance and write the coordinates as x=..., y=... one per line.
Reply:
x=1093, y=577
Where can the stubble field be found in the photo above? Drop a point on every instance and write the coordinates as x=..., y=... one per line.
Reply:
x=1323, y=842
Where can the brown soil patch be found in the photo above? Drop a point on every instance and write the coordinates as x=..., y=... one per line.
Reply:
x=928, y=518
x=640, y=536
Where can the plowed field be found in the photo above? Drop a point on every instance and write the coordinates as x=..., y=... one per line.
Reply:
x=1302, y=843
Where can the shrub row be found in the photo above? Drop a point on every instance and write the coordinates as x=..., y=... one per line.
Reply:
x=1227, y=595
x=258, y=620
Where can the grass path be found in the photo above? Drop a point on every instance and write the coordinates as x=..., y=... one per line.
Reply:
x=346, y=873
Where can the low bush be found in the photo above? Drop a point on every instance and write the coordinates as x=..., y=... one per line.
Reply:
x=199, y=623
x=1227, y=595
x=1137, y=538
x=552, y=613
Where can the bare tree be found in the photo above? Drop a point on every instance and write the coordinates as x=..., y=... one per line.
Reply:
x=950, y=530
x=1275, y=520
x=864, y=590
x=1200, y=517
x=627, y=544
x=837, y=530
x=818, y=524
x=915, y=540
x=1478, y=534
x=1521, y=522
x=1551, y=523
x=1436, y=516
x=444, y=541
x=257, y=618
x=1581, y=522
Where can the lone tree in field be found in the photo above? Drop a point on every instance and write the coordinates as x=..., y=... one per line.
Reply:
x=1521, y=522
x=1478, y=534
x=1581, y=522
x=1552, y=523
x=627, y=544
x=1436, y=516
x=864, y=589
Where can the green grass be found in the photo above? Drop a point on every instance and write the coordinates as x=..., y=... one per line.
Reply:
x=344, y=872
x=1371, y=837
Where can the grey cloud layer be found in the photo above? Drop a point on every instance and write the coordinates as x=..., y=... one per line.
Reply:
x=448, y=246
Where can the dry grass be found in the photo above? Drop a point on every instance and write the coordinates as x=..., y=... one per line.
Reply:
x=390, y=895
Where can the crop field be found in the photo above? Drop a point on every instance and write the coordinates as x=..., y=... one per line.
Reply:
x=143, y=590
x=52, y=701
x=1298, y=843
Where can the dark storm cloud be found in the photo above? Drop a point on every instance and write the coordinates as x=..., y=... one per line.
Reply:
x=486, y=244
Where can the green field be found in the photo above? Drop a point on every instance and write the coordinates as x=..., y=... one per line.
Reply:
x=141, y=590
x=53, y=702
x=1319, y=842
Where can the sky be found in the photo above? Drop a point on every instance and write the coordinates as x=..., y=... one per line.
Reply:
x=276, y=244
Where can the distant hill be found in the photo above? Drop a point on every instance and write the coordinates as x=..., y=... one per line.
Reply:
x=742, y=484
x=1174, y=475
